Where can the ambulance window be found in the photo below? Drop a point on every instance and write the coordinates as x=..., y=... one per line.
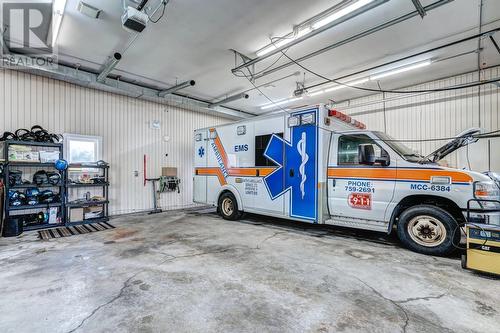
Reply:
x=261, y=142
x=348, y=148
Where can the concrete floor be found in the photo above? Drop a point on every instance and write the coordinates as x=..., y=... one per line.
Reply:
x=194, y=272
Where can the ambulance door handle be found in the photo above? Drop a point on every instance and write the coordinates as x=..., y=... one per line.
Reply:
x=292, y=173
x=334, y=182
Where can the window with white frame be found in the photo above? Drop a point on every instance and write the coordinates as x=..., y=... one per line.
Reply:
x=82, y=148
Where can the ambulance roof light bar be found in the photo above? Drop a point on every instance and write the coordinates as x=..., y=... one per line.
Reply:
x=347, y=119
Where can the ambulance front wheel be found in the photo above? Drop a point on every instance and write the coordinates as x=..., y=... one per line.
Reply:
x=228, y=207
x=428, y=229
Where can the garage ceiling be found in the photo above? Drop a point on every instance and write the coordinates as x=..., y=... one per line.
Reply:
x=194, y=38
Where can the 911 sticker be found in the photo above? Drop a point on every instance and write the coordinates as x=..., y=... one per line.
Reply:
x=428, y=187
x=360, y=200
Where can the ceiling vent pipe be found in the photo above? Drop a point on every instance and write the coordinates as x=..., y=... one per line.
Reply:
x=177, y=87
x=229, y=99
x=109, y=66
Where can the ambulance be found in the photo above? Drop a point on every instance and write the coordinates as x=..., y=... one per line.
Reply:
x=319, y=165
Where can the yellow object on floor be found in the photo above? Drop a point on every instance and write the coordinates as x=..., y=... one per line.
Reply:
x=483, y=248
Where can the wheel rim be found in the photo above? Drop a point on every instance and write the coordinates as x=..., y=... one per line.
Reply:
x=227, y=206
x=427, y=231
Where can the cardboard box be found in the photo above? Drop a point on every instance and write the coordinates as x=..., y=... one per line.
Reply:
x=93, y=212
x=93, y=209
x=75, y=214
x=48, y=156
x=169, y=172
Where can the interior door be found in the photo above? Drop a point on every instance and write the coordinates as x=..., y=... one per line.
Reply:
x=200, y=163
x=358, y=192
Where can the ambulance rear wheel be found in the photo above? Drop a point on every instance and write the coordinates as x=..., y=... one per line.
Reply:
x=228, y=207
x=428, y=229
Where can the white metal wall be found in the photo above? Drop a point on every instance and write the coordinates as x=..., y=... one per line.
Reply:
x=436, y=115
x=121, y=121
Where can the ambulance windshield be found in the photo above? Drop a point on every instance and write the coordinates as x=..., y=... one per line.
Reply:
x=406, y=152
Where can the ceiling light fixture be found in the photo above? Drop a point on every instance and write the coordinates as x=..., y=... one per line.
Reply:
x=343, y=12
x=58, y=7
x=401, y=69
x=313, y=24
x=284, y=101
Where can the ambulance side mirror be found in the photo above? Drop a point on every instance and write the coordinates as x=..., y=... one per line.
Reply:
x=384, y=159
x=367, y=156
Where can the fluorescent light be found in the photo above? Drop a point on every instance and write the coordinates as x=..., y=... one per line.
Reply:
x=360, y=81
x=316, y=93
x=394, y=71
x=318, y=24
x=351, y=83
x=343, y=12
x=58, y=7
x=285, y=101
x=333, y=88
x=401, y=70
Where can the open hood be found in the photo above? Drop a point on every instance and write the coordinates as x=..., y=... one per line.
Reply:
x=461, y=140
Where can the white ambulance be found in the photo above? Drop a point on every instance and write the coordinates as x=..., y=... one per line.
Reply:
x=320, y=166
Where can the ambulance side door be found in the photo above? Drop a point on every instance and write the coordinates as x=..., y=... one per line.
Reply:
x=359, y=192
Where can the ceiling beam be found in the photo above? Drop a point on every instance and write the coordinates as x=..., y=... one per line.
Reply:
x=420, y=9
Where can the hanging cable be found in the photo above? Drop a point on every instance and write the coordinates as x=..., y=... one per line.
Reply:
x=463, y=86
x=473, y=84
x=165, y=3
x=261, y=92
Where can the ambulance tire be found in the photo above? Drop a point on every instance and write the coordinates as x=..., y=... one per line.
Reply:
x=228, y=207
x=428, y=230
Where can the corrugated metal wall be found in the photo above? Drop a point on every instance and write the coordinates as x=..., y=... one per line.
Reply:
x=434, y=115
x=121, y=121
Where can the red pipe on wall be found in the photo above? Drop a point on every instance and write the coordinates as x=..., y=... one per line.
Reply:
x=144, y=169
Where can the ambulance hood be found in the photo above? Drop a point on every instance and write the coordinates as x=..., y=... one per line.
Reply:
x=461, y=140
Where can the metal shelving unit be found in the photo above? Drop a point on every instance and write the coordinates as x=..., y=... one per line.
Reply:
x=105, y=193
x=9, y=165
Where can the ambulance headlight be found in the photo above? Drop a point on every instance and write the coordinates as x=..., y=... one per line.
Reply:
x=486, y=191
